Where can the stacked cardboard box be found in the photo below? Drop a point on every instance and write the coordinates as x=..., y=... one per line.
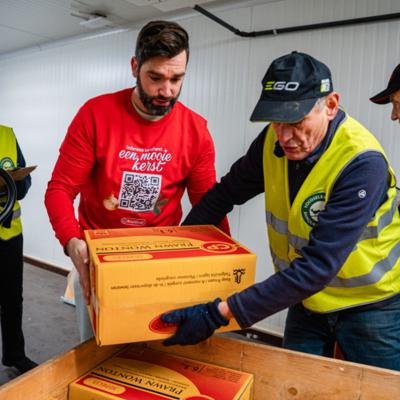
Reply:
x=145, y=374
x=138, y=274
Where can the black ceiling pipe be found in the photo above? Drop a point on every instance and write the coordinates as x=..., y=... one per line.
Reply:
x=322, y=25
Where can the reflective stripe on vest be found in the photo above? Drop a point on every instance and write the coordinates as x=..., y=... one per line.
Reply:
x=374, y=276
x=281, y=227
x=373, y=231
x=16, y=213
x=280, y=264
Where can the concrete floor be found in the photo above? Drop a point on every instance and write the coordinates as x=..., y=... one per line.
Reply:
x=48, y=323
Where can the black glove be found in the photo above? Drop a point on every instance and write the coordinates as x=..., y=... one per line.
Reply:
x=196, y=323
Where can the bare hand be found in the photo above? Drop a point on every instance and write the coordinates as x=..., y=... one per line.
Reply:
x=78, y=252
x=225, y=311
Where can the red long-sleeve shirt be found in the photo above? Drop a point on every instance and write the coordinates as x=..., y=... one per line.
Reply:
x=129, y=172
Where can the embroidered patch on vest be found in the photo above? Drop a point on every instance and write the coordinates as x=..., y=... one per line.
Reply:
x=6, y=163
x=311, y=208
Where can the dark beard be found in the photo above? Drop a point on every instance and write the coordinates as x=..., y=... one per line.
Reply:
x=147, y=101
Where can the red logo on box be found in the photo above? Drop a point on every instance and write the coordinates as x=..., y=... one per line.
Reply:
x=219, y=247
x=157, y=326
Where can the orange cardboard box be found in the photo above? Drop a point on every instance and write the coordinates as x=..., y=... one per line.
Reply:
x=138, y=274
x=145, y=374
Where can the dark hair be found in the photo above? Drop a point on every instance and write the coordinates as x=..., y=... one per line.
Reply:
x=161, y=38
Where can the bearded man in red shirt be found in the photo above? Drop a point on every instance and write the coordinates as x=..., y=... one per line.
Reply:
x=131, y=155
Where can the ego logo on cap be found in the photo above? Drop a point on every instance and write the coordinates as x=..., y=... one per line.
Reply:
x=281, y=85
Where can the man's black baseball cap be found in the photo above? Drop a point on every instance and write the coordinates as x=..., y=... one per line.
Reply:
x=393, y=86
x=291, y=86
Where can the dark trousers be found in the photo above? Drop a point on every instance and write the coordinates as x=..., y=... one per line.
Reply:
x=11, y=267
x=367, y=336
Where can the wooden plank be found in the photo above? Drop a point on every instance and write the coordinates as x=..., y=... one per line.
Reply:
x=50, y=380
x=279, y=374
x=287, y=375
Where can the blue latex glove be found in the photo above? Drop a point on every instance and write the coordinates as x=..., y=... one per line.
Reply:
x=196, y=323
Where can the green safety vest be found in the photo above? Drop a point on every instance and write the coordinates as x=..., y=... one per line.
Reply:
x=372, y=270
x=8, y=160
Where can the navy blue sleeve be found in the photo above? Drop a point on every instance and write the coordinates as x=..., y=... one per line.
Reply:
x=244, y=181
x=331, y=241
x=24, y=185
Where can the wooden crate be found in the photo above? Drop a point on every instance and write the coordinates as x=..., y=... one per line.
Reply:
x=279, y=374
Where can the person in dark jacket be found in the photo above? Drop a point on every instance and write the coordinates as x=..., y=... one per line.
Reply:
x=11, y=260
x=333, y=229
x=391, y=94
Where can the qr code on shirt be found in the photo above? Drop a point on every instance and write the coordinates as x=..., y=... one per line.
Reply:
x=139, y=192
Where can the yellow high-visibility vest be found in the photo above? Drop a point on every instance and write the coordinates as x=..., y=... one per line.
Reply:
x=372, y=270
x=8, y=160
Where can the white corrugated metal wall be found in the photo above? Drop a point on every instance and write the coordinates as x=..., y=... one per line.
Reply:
x=40, y=91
